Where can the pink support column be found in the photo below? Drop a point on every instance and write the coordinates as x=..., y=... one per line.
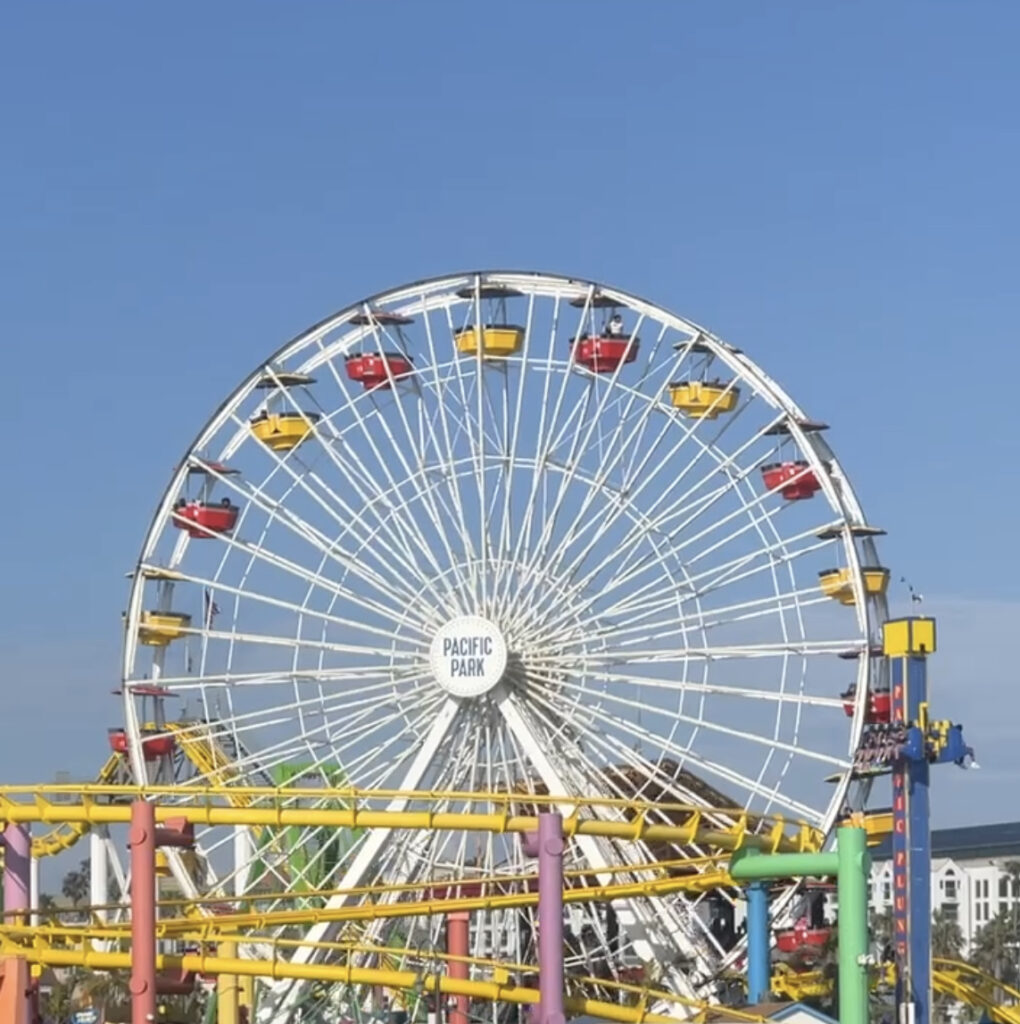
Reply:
x=17, y=886
x=550, y=918
x=17, y=873
x=457, y=944
x=143, y=912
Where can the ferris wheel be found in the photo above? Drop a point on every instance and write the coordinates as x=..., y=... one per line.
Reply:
x=493, y=533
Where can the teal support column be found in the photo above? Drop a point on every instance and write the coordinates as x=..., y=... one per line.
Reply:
x=759, y=951
x=852, y=924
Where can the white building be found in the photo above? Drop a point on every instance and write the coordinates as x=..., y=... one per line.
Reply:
x=971, y=876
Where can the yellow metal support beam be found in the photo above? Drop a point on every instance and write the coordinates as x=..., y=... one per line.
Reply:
x=722, y=828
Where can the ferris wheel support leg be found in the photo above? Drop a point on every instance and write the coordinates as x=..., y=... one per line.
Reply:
x=17, y=892
x=33, y=890
x=99, y=870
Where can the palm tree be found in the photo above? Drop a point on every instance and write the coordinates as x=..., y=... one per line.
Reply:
x=946, y=935
x=75, y=885
x=946, y=942
x=996, y=945
x=1012, y=869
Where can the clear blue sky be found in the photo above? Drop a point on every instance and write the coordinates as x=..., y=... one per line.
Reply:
x=831, y=186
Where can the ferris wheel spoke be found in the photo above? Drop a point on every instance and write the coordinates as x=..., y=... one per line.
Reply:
x=280, y=640
x=297, y=526
x=642, y=707
x=424, y=494
x=615, y=724
x=353, y=521
x=681, y=686
x=781, y=551
x=649, y=477
x=721, y=652
x=259, y=553
x=673, y=623
x=360, y=728
x=431, y=496
x=512, y=442
x=610, y=461
x=642, y=527
x=548, y=416
x=580, y=440
x=631, y=565
x=643, y=454
x=446, y=441
x=219, y=587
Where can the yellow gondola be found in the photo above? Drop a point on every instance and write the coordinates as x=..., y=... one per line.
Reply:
x=157, y=629
x=283, y=431
x=703, y=400
x=838, y=583
x=496, y=340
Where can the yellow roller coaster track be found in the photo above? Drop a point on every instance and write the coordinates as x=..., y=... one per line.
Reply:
x=198, y=746
x=212, y=926
x=722, y=828
x=960, y=981
x=66, y=834
x=499, y=987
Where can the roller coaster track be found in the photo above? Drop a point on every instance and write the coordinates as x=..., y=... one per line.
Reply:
x=66, y=834
x=719, y=828
x=960, y=981
x=499, y=986
x=206, y=756
x=208, y=928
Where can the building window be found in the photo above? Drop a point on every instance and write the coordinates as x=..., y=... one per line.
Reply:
x=951, y=911
x=949, y=888
x=887, y=891
x=1003, y=887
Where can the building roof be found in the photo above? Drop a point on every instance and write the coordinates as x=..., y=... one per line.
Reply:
x=967, y=842
x=774, y=1010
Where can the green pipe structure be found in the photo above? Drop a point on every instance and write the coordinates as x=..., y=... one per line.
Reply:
x=850, y=864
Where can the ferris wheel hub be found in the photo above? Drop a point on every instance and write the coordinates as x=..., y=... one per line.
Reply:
x=468, y=656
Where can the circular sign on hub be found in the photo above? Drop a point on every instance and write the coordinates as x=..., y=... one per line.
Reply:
x=468, y=656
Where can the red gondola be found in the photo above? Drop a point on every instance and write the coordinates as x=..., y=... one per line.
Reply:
x=603, y=353
x=203, y=519
x=801, y=938
x=153, y=748
x=375, y=371
x=794, y=480
x=879, y=705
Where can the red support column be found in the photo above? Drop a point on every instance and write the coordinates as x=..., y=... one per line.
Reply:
x=143, y=912
x=457, y=929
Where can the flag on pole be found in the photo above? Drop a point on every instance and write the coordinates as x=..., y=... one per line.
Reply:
x=212, y=609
